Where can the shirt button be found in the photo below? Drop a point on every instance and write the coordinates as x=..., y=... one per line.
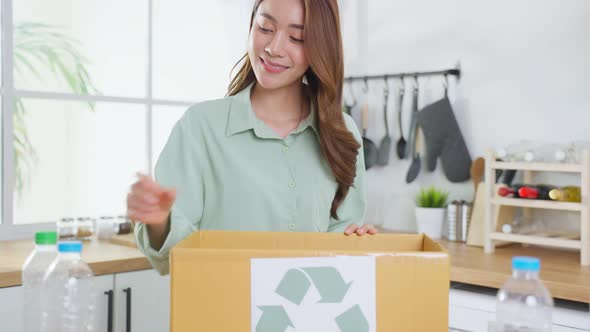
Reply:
x=285, y=149
x=291, y=226
x=291, y=184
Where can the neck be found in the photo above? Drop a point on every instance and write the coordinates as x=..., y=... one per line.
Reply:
x=292, y=101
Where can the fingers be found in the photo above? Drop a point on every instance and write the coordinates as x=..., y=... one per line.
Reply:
x=148, y=202
x=371, y=229
x=350, y=229
x=142, y=202
x=145, y=183
x=362, y=230
x=167, y=197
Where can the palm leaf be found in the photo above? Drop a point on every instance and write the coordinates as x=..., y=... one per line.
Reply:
x=40, y=46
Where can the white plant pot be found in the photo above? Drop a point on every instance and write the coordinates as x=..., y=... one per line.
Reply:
x=430, y=221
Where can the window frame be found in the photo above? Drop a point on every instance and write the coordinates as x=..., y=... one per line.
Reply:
x=8, y=229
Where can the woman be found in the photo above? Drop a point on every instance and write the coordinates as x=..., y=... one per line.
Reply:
x=277, y=154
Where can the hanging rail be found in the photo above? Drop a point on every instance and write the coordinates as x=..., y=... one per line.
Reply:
x=453, y=72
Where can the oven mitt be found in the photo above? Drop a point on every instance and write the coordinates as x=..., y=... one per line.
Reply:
x=443, y=139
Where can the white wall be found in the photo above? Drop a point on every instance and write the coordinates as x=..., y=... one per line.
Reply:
x=525, y=68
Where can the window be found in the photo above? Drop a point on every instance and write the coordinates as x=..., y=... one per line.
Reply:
x=92, y=90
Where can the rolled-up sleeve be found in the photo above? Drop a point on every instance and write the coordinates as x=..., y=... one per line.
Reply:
x=178, y=168
x=352, y=209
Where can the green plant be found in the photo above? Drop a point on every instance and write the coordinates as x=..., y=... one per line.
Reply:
x=432, y=198
x=40, y=46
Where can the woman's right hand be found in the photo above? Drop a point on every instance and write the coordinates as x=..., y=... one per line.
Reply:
x=149, y=203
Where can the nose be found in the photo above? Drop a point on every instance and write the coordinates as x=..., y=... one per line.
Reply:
x=276, y=47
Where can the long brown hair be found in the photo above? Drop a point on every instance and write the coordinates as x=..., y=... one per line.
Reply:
x=325, y=76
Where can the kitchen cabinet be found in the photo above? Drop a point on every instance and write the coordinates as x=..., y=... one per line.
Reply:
x=144, y=294
x=142, y=302
x=104, y=287
x=472, y=308
x=11, y=309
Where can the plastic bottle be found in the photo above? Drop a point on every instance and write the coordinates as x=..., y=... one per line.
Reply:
x=68, y=292
x=34, y=269
x=523, y=303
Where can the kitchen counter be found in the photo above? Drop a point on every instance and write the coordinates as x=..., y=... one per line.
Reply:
x=560, y=269
x=103, y=258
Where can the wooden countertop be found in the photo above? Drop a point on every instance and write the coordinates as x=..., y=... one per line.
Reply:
x=103, y=258
x=560, y=269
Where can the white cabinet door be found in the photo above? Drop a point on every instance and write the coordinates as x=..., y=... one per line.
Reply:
x=149, y=294
x=11, y=309
x=104, y=286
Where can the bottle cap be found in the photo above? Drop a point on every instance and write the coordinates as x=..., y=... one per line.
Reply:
x=70, y=246
x=555, y=194
x=45, y=238
x=505, y=191
x=523, y=263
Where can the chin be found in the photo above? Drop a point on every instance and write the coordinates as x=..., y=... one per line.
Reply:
x=272, y=83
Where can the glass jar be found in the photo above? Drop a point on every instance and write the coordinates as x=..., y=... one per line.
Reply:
x=106, y=227
x=85, y=228
x=124, y=225
x=66, y=228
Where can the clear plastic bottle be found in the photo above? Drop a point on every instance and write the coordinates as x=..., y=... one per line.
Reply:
x=523, y=303
x=34, y=269
x=69, y=293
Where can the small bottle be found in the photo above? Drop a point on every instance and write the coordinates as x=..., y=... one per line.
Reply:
x=524, y=303
x=566, y=194
x=34, y=269
x=68, y=293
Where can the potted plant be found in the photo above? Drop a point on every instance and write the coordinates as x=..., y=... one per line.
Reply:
x=430, y=211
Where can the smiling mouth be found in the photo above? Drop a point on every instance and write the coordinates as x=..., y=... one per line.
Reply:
x=273, y=66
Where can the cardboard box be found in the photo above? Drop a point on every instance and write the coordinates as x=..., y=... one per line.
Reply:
x=211, y=284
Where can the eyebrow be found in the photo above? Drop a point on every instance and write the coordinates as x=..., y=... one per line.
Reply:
x=270, y=17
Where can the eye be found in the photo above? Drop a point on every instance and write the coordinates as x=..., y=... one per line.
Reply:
x=263, y=30
x=296, y=40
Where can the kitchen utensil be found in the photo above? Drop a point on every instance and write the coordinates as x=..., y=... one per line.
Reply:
x=348, y=107
x=458, y=220
x=401, y=143
x=385, y=145
x=369, y=148
x=451, y=225
x=415, y=165
x=476, y=172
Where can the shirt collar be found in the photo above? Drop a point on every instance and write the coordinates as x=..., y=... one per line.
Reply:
x=242, y=117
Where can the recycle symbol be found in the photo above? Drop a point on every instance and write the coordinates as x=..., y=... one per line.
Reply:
x=294, y=286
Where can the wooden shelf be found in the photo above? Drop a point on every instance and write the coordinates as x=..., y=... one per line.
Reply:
x=547, y=167
x=537, y=204
x=538, y=240
x=500, y=210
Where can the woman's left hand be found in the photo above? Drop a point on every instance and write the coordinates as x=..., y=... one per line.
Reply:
x=362, y=230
